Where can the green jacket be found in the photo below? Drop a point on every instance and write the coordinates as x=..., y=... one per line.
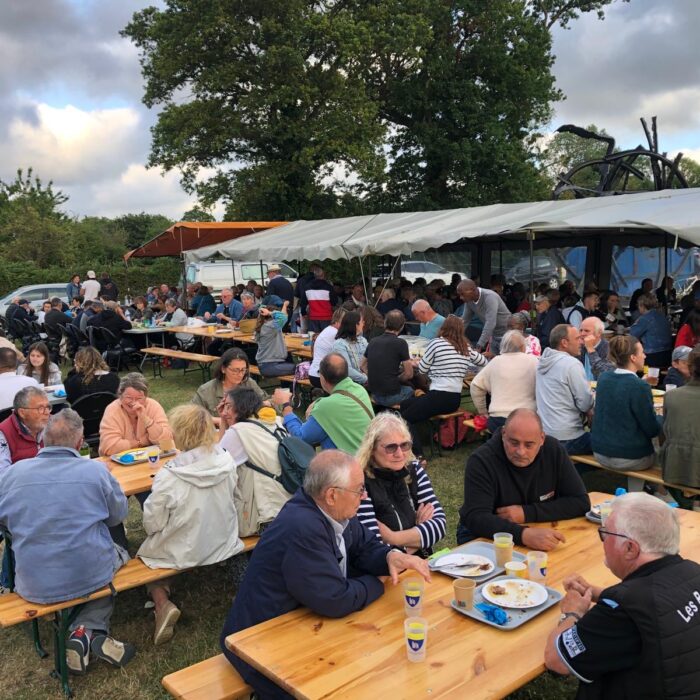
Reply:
x=210, y=394
x=680, y=453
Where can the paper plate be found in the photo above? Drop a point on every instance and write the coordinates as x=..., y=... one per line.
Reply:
x=519, y=593
x=658, y=392
x=458, y=564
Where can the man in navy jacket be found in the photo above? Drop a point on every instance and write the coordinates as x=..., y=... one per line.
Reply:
x=315, y=554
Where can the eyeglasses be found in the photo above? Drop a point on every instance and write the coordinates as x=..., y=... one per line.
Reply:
x=604, y=533
x=43, y=409
x=393, y=447
x=359, y=492
x=236, y=370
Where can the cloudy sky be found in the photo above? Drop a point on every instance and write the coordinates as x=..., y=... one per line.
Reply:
x=70, y=93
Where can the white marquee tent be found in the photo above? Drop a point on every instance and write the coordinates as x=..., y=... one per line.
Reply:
x=675, y=212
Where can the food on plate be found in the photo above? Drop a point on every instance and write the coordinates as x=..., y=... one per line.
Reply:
x=498, y=590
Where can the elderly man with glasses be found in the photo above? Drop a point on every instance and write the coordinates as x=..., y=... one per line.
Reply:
x=317, y=554
x=642, y=636
x=21, y=432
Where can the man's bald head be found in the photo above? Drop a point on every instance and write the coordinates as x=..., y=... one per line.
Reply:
x=522, y=436
x=333, y=369
x=468, y=290
x=422, y=311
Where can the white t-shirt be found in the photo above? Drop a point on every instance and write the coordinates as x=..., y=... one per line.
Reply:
x=10, y=384
x=92, y=289
x=322, y=346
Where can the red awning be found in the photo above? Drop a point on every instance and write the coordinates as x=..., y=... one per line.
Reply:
x=186, y=235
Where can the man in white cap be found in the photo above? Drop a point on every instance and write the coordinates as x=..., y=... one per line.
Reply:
x=91, y=287
x=278, y=285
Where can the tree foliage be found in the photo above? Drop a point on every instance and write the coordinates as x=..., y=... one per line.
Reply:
x=312, y=108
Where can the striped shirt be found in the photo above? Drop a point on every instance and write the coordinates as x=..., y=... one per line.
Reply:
x=446, y=367
x=431, y=531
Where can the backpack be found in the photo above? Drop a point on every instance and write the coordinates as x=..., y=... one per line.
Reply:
x=294, y=456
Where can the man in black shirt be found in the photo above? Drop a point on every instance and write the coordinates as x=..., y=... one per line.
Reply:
x=642, y=637
x=520, y=476
x=388, y=363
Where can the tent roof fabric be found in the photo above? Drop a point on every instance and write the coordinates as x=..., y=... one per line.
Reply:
x=676, y=212
x=186, y=235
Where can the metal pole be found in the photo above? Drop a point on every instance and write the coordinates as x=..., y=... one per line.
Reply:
x=233, y=272
x=531, y=239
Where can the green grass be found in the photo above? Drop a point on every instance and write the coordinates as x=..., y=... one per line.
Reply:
x=204, y=596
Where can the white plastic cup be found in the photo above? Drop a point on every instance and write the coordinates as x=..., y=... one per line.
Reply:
x=416, y=636
x=413, y=596
x=537, y=565
x=671, y=387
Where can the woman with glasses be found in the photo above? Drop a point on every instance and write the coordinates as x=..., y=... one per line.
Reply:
x=247, y=431
x=232, y=371
x=133, y=419
x=399, y=505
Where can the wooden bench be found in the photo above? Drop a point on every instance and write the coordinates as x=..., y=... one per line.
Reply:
x=652, y=475
x=211, y=679
x=204, y=361
x=14, y=609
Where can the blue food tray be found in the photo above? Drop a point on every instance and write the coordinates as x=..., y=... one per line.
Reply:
x=516, y=617
x=484, y=549
x=140, y=460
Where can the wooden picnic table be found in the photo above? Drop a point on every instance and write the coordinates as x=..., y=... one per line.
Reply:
x=363, y=655
x=293, y=341
x=135, y=479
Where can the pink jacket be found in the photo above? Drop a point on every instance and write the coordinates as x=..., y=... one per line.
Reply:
x=117, y=433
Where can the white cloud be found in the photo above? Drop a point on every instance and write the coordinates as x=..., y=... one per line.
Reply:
x=70, y=145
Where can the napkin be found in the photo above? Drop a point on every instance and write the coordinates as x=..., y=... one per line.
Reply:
x=493, y=613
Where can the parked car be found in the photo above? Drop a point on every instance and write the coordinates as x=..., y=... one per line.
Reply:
x=35, y=294
x=544, y=271
x=413, y=269
x=225, y=273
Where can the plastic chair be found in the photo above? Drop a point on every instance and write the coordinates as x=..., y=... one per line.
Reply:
x=91, y=408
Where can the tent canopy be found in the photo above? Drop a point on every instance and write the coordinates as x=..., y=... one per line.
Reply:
x=186, y=235
x=676, y=212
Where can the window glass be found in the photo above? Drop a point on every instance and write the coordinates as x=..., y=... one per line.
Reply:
x=551, y=266
x=433, y=267
x=630, y=265
x=287, y=271
x=252, y=270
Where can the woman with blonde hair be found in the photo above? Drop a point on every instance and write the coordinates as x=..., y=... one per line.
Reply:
x=90, y=375
x=446, y=361
x=399, y=506
x=190, y=517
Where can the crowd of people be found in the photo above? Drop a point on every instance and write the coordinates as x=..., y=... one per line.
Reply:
x=367, y=508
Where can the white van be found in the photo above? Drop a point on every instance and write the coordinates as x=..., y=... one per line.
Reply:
x=226, y=273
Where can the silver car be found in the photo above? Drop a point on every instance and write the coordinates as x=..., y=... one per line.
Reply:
x=35, y=294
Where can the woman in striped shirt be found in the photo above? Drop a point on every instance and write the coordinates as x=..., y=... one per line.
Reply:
x=446, y=361
x=401, y=508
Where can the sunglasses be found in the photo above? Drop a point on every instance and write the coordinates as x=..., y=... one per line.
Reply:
x=393, y=447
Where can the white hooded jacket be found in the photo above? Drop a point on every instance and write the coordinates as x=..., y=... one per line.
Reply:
x=190, y=516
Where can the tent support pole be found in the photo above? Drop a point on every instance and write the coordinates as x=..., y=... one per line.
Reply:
x=531, y=241
x=233, y=272
x=668, y=304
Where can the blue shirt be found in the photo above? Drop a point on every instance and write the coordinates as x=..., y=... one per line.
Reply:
x=310, y=431
x=430, y=330
x=234, y=310
x=654, y=332
x=59, y=507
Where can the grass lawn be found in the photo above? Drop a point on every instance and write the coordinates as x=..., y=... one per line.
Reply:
x=204, y=596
